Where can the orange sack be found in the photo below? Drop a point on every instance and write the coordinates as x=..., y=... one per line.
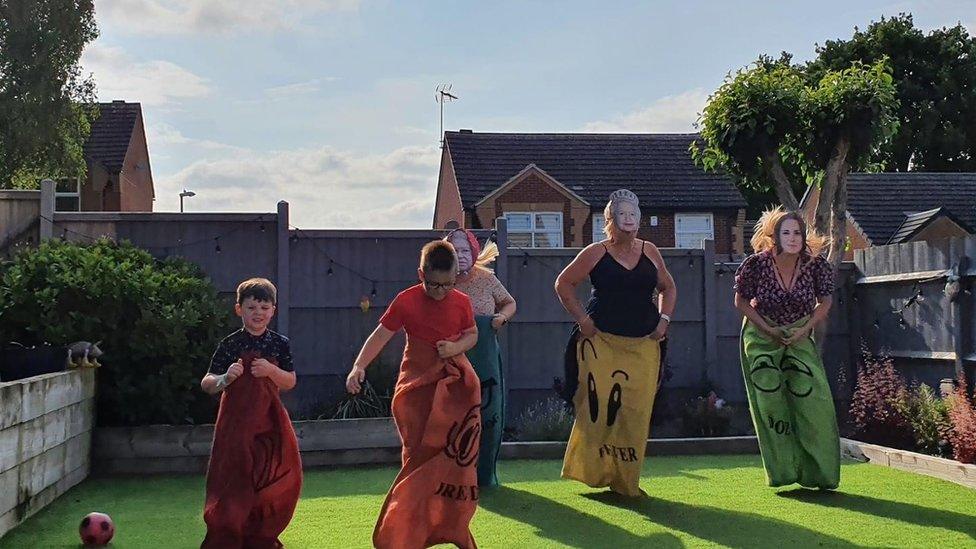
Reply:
x=254, y=477
x=437, y=409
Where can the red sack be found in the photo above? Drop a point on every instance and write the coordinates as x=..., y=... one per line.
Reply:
x=437, y=408
x=254, y=477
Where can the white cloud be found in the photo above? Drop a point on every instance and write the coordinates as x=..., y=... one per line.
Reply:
x=165, y=135
x=288, y=91
x=673, y=113
x=220, y=16
x=325, y=187
x=414, y=130
x=120, y=76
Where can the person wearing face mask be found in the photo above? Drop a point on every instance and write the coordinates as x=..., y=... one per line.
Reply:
x=613, y=359
x=784, y=291
x=493, y=308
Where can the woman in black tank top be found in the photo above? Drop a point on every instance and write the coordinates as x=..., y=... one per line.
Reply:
x=621, y=302
x=613, y=359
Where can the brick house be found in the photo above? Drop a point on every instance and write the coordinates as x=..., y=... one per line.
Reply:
x=119, y=174
x=892, y=208
x=552, y=188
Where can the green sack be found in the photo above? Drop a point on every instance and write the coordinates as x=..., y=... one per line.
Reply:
x=792, y=409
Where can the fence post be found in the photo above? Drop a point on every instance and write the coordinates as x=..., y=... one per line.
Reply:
x=501, y=272
x=284, y=268
x=501, y=239
x=960, y=264
x=711, y=308
x=47, y=209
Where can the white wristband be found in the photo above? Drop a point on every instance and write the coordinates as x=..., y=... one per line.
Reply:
x=221, y=382
x=666, y=318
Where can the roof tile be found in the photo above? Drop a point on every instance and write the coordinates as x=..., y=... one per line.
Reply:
x=111, y=133
x=657, y=167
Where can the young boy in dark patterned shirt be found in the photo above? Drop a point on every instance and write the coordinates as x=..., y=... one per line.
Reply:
x=256, y=301
x=255, y=473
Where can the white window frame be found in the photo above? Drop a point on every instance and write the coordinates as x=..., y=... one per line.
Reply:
x=678, y=232
x=598, y=224
x=76, y=194
x=533, y=231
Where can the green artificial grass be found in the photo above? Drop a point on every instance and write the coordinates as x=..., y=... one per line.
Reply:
x=694, y=502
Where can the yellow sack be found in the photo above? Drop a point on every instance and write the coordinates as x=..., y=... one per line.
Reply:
x=613, y=402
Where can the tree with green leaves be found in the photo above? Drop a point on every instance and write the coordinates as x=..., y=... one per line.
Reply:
x=935, y=77
x=46, y=104
x=774, y=127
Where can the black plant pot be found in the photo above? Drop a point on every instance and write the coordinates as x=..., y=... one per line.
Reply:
x=20, y=362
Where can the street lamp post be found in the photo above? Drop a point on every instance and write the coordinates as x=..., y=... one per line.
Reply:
x=185, y=194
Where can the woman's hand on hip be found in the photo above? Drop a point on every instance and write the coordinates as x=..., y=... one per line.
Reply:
x=587, y=327
x=661, y=331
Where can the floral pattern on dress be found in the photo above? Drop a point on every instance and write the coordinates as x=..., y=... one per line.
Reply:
x=485, y=290
x=757, y=281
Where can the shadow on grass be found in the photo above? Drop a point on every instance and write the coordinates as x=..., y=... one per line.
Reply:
x=894, y=510
x=721, y=526
x=564, y=524
x=656, y=466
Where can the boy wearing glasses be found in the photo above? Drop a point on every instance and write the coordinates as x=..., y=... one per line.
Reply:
x=436, y=406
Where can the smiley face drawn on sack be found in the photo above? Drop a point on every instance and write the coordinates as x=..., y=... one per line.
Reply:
x=799, y=377
x=768, y=377
x=613, y=404
x=592, y=394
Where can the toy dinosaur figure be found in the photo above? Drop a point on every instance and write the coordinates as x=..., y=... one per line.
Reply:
x=84, y=354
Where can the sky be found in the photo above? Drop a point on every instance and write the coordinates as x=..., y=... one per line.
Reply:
x=330, y=104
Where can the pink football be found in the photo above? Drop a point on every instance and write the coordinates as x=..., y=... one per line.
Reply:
x=96, y=529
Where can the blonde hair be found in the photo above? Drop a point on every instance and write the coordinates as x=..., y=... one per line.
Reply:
x=608, y=223
x=487, y=255
x=766, y=235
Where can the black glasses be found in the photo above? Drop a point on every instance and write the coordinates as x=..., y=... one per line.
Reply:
x=439, y=285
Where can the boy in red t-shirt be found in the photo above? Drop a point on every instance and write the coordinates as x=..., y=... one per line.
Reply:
x=436, y=406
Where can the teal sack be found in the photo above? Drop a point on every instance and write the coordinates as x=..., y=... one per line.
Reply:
x=487, y=361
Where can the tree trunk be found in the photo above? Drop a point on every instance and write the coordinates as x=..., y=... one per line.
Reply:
x=781, y=182
x=838, y=242
x=838, y=222
x=836, y=168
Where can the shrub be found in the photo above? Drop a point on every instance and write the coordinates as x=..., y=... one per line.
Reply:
x=874, y=411
x=368, y=403
x=158, y=323
x=928, y=416
x=962, y=416
x=549, y=419
x=376, y=397
x=707, y=416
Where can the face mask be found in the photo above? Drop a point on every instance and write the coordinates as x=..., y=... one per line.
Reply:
x=463, y=249
x=626, y=211
x=467, y=248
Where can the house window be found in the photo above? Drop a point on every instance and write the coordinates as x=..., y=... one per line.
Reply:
x=67, y=194
x=535, y=229
x=691, y=229
x=598, y=222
